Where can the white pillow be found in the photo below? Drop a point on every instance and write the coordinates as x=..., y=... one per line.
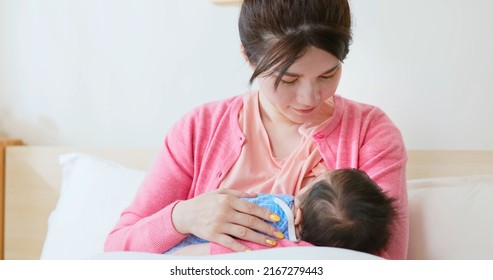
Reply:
x=451, y=218
x=94, y=191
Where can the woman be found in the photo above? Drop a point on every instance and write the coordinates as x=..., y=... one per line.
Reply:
x=271, y=140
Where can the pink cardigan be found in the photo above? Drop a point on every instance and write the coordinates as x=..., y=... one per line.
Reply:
x=200, y=149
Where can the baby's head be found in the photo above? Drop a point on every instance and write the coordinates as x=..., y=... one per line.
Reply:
x=345, y=208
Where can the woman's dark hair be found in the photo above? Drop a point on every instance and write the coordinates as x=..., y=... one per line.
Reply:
x=351, y=211
x=276, y=33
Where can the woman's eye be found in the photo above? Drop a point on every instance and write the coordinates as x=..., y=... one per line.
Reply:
x=288, y=82
x=327, y=77
x=330, y=75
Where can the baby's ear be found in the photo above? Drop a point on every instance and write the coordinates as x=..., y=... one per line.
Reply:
x=298, y=217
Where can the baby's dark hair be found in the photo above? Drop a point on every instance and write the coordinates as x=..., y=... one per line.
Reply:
x=348, y=211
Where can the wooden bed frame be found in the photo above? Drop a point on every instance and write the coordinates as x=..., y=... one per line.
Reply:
x=30, y=188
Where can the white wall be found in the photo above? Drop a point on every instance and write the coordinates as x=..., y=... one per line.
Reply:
x=120, y=72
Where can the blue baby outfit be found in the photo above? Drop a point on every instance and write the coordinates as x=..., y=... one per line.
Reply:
x=280, y=204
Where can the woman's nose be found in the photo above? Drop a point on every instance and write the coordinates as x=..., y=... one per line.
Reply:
x=308, y=95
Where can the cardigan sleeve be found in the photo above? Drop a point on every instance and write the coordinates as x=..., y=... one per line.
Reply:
x=383, y=156
x=146, y=224
x=184, y=168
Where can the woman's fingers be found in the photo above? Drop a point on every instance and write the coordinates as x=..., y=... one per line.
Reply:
x=235, y=232
x=255, y=230
x=251, y=216
x=248, y=207
x=255, y=210
x=229, y=242
x=222, y=216
x=244, y=220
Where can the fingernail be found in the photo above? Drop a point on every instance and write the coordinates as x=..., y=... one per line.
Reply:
x=274, y=218
x=247, y=250
x=271, y=242
x=279, y=234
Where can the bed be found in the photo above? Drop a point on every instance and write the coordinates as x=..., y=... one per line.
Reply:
x=45, y=193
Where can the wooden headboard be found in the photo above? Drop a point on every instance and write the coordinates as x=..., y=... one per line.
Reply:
x=33, y=176
x=3, y=144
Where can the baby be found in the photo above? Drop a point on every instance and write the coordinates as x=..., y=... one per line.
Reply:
x=342, y=208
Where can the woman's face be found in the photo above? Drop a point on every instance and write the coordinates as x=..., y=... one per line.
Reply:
x=305, y=87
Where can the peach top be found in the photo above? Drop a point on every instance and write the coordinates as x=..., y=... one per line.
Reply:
x=272, y=175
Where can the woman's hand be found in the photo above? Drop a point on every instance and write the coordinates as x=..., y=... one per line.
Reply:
x=221, y=216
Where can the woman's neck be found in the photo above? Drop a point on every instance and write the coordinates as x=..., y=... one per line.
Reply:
x=283, y=134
